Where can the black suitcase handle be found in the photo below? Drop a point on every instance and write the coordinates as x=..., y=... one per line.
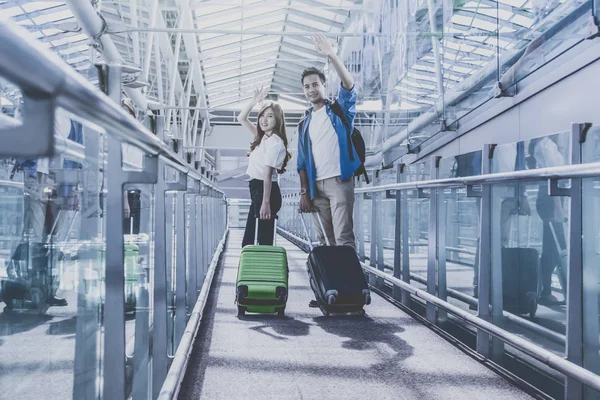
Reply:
x=256, y=230
x=306, y=229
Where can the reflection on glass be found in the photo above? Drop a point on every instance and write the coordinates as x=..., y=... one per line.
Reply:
x=459, y=217
x=417, y=220
x=531, y=227
x=51, y=271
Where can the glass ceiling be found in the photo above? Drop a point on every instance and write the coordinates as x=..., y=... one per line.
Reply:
x=241, y=44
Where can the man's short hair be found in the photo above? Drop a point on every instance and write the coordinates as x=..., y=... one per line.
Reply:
x=313, y=71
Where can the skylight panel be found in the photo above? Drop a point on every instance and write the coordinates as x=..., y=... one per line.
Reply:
x=69, y=39
x=462, y=70
x=40, y=5
x=316, y=25
x=12, y=12
x=49, y=32
x=237, y=101
x=228, y=75
x=485, y=25
x=484, y=52
x=219, y=20
x=462, y=20
x=415, y=75
x=75, y=60
x=506, y=29
x=408, y=89
x=492, y=12
x=514, y=3
x=74, y=49
x=57, y=16
x=522, y=20
x=461, y=47
x=244, y=80
x=263, y=22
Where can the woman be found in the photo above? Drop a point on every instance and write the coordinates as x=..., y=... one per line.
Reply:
x=268, y=152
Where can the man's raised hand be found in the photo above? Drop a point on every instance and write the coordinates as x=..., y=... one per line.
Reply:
x=322, y=45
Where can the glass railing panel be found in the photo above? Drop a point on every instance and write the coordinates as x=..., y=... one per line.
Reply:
x=52, y=271
x=591, y=259
x=459, y=218
x=529, y=239
x=417, y=220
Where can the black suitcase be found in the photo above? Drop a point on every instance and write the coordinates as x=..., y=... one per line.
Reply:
x=337, y=278
x=520, y=280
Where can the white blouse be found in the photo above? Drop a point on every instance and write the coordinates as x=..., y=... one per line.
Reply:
x=270, y=152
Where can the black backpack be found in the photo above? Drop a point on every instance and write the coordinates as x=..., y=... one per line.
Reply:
x=355, y=139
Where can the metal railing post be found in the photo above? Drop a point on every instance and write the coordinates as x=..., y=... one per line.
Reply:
x=373, y=280
x=432, y=264
x=575, y=304
x=398, y=271
x=180, y=265
x=191, y=250
x=485, y=244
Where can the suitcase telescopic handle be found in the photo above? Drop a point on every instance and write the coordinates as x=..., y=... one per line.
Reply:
x=256, y=230
x=306, y=229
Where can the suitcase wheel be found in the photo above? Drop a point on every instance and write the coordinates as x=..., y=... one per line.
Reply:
x=241, y=311
x=367, y=300
x=242, y=293
x=331, y=299
x=324, y=311
x=281, y=311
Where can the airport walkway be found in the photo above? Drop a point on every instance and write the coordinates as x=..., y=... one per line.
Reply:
x=385, y=355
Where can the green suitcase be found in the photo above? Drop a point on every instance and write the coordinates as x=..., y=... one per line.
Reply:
x=262, y=281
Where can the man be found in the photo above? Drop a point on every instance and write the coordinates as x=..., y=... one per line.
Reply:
x=325, y=163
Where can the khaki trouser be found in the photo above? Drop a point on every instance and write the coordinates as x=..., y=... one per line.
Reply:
x=334, y=201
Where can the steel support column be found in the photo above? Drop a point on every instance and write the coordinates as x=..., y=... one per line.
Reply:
x=397, y=292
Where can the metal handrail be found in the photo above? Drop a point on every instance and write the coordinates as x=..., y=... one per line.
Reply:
x=588, y=170
x=75, y=94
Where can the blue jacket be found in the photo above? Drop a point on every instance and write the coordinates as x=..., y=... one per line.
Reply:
x=347, y=101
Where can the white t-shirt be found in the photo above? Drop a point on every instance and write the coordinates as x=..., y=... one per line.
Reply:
x=270, y=152
x=325, y=145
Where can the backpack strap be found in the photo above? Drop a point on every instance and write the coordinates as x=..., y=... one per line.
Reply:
x=300, y=126
x=337, y=110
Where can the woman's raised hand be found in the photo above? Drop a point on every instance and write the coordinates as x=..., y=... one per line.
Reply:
x=260, y=94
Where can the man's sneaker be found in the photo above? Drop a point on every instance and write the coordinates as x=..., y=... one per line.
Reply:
x=57, y=302
x=313, y=304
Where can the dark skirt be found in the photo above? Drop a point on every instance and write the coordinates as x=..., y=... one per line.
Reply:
x=265, y=227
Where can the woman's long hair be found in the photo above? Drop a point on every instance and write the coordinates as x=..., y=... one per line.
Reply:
x=279, y=130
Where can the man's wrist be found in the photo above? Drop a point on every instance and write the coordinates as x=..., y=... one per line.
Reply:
x=303, y=192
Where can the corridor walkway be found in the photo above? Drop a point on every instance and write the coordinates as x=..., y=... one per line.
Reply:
x=385, y=355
